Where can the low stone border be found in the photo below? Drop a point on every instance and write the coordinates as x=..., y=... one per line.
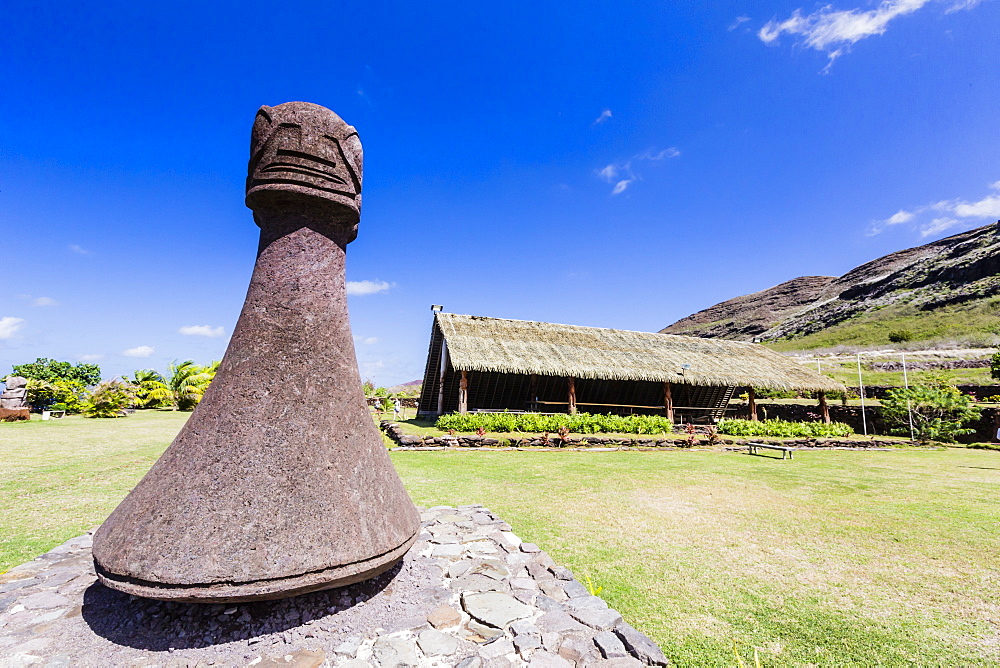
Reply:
x=402, y=439
x=469, y=593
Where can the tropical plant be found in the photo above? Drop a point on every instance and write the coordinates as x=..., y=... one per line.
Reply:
x=995, y=366
x=578, y=423
x=151, y=389
x=187, y=383
x=784, y=429
x=110, y=399
x=66, y=395
x=50, y=371
x=938, y=412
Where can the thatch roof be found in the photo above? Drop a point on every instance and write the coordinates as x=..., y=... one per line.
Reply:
x=524, y=347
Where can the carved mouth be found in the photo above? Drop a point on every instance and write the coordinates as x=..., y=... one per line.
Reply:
x=303, y=164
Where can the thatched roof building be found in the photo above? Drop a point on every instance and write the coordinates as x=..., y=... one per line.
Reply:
x=523, y=365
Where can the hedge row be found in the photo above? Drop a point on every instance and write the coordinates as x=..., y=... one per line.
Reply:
x=580, y=423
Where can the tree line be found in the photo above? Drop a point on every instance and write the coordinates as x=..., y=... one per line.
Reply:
x=55, y=385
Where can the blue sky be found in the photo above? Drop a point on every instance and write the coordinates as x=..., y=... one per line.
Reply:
x=607, y=164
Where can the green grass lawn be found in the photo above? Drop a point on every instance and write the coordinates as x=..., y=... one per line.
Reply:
x=833, y=558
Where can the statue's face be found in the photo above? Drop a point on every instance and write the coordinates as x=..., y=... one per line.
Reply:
x=303, y=149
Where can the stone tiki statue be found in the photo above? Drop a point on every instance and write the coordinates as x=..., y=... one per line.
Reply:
x=271, y=494
x=15, y=395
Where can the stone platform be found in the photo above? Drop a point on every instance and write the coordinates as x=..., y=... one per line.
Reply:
x=468, y=594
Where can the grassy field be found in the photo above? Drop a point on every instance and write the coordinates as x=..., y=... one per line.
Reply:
x=972, y=323
x=833, y=558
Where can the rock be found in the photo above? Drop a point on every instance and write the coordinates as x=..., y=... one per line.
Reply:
x=477, y=583
x=444, y=617
x=459, y=568
x=435, y=643
x=302, y=658
x=610, y=645
x=620, y=662
x=508, y=539
x=640, y=645
x=543, y=659
x=526, y=596
x=584, y=602
x=559, y=622
x=350, y=646
x=484, y=631
x=523, y=583
x=497, y=648
x=525, y=643
x=355, y=663
x=494, y=608
x=395, y=652
x=530, y=548
x=547, y=604
x=562, y=573
x=576, y=649
x=553, y=590
x=470, y=662
x=574, y=589
x=496, y=571
x=539, y=572
x=447, y=551
x=602, y=620
x=445, y=539
x=524, y=627
x=45, y=600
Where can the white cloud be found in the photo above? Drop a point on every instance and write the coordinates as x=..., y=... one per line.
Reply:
x=988, y=207
x=91, y=358
x=944, y=214
x=740, y=20
x=605, y=115
x=202, y=330
x=78, y=250
x=358, y=288
x=9, y=326
x=139, y=351
x=621, y=175
x=370, y=341
x=937, y=225
x=621, y=186
x=45, y=301
x=899, y=217
x=834, y=31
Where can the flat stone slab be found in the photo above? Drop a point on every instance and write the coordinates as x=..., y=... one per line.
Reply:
x=454, y=610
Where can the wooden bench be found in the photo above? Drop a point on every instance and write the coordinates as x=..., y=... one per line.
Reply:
x=752, y=449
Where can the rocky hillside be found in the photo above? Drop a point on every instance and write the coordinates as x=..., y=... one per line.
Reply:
x=961, y=271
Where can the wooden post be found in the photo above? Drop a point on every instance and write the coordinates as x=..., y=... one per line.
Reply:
x=571, y=382
x=824, y=409
x=752, y=403
x=444, y=369
x=463, y=393
x=668, y=402
x=533, y=391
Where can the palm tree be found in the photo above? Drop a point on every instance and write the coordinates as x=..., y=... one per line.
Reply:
x=151, y=389
x=188, y=382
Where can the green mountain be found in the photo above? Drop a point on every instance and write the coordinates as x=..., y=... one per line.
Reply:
x=947, y=290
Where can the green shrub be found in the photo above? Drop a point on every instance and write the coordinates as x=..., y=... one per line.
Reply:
x=785, y=429
x=580, y=423
x=995, y=366
x=65, y=395
x=900, y=335
x=109, y=399
x=939, y=413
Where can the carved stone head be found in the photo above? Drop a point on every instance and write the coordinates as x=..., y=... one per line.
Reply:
x=300, y=150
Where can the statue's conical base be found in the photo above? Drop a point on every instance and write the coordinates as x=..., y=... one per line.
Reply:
x=279, y=483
